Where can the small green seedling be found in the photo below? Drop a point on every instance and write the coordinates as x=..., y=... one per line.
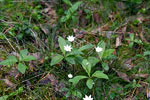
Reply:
x=23, y=57
x=133, y=40
x=70, y=13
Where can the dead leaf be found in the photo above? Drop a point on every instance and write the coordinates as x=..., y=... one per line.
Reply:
x=123, y=29
x=45, y=29
x=14, y=72
x=83, y=22
x=46, y=40
x=31, y=66
x=120, y=6
x=79, y=33
x=76, y=31
x=42, y=61
x=118, y=41
x=148, y=93
x=142, y=37
x=0, y=61
x=114, y=53
x=49, y=78
x=122, y=75
x=140, y=19
x=127, y=98
x=108, y=34
x=51, y=12
x=104, y=27
x=37, y=55
x=9, y=83
x=128, y=64
x=96, y=17
x=140, y=75
x=15, y=54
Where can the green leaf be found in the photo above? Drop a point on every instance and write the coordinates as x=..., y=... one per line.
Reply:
x=25, y=57
x=68, y=94
x=101, y=44
x=70, y=11
x=28, y=58
x=76, y=79
x=138, y=41
x=20, y=90
x=75, y=7
x=93, y=61
x=86, y=66
x=65, y=18
x=108, y=52
x=5, y=97
x=74, y=52
x=23, y=52
x=85, y=47
x=146, y=53
x=77, y=94
x=137, y=1
x=22, y=68
x=1, y=34
x=78, y=59
x=9, y=61
x=105, y=66
x=89, y=83
x=62, y=43
x=132, y=37
x=100, y=74
x=131, y=44
x=67, y=2
x=71, y=60
x=56, y=59
x=64, y=89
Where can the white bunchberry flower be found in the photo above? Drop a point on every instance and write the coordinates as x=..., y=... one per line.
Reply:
x=98, y=49
x=87, y=63
x=70, y=38
x=87, y=98
x=70, y=75
x=67, y=48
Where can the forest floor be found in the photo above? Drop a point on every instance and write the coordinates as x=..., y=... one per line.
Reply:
x=106, y=56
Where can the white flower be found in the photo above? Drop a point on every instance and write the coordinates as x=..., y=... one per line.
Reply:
x=87, y=63
x=87, y=98
x=70, y=38
x=67, y=48
x=99, y=49
x=70, y=75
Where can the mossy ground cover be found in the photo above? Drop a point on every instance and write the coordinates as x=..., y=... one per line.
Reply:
x=42, y=28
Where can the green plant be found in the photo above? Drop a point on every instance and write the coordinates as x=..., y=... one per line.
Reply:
x=89, y=63
x=70, y=13
x=23, y=57
x=87, y=67
x=132, y=6
x=70, y=57
x=145, y=55
x=72, y=91
x=19, y=24
x=133, y=40
x=76, y=56
x=5, y=97
x=133, y=84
